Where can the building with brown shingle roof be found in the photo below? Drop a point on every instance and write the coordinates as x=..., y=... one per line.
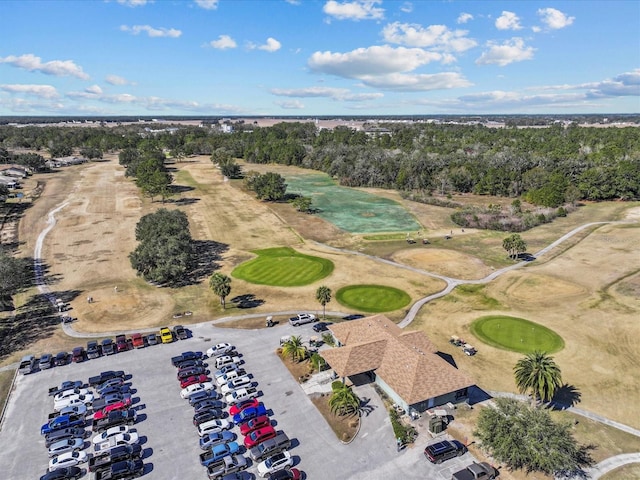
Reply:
x=404, y=364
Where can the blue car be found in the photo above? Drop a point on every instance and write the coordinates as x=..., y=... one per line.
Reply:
x=218, y=452
x=210, y=440
x=249, y=413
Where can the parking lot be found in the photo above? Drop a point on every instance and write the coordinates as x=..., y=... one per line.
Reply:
x=169, y=438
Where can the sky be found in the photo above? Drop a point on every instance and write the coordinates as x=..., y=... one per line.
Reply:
x=313, y=58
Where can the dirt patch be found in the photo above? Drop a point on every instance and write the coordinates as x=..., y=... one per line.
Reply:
x=445, y=262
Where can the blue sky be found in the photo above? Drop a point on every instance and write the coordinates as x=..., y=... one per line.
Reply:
x=328, y=57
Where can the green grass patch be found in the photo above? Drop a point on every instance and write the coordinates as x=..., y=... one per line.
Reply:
x=385, y=236
x=283, y=267
x=372, y=298
x=516, y=334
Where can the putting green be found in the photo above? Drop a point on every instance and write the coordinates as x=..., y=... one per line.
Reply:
x=283, y=267
x=516, y=334
x=372, y=298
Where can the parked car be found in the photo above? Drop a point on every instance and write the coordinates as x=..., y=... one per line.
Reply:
x=249, y=413
x=165, y=335
x=302, y=318
x=203, y=395
x=69, y=459
x=62, y=358
x=27, y=364
x=78, y=354
x=137, y=341
x=70, y=392
x=115, y=419
x=220, y=349
x=213, y=426
x=111, y=432
x=218, y=452
x=65, y=473
x=210, y=440
x=270, y=446
x=227, y=377
x=112, y=398
x=259, y=436
x=46, y=361
x=191, y=371
x=62, y=421
x=207, y=415
x=66, y=385
x=66, y=445
x=180, y=332
x=228, y=368
x=226, y=360
x=152, y=339
x=77, y=409
x=104, y=376
x=208, y=405
x=241, y=395
x=236, y=383
x=444, y=450
x=130, y=438
x=276, y=462
x=112, y=382
x=118, y=454
x=321, y=326
x=121, y=343
x=185, y=382
x=114, y=407
x=226, y=468
x=196, y=387
x=73, y=401
x=108, y=347
x=286, y=474
x=178, y=360
x=238, y=407
x=124, y=469
x=63, y=434
x=254, y=424
x=93, y=350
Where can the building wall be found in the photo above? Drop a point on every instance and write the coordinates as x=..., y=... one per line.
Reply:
x=391, y=393
x=453, y=397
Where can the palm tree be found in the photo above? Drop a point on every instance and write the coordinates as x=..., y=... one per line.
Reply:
x=323, y=295
x=221, y=286
x=293, y=348
x=343, y=400
x=538, y=373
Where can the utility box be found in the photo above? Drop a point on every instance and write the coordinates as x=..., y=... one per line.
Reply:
x=436, y=425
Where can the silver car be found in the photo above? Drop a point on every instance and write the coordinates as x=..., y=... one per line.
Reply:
x=64, y=446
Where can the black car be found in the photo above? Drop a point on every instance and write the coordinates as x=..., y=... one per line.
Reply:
x=93, y=349
x=321, y=326
x=115, y=419
x=63, y=434
x=62, y=358
x=191, y=371
x=444, y=450
x=65, y=473
x=115, y=389
x=207, y=415
x=104, y=376
x=126, y=469
x=208, y=405
x=108, y=347
x=355, y=316
x=180, y=332
x=200, y=396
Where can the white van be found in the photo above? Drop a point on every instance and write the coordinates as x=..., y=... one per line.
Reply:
x=27, y=364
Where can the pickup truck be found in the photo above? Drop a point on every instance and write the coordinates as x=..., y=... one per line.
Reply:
x=118, y=454
x=228, y=465
x=218, y=452
x=104, y=376
x=121, y=470
x=115, y=419
x=63, y=421
x=184, y=356
x=102, y=402
x=241, y=395
x=476, y=471
x=68, y=385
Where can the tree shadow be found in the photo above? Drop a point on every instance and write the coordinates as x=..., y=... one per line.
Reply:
x=247, y=301
x=184, y=201
x=177, y=189
x=206, y=255
x=365, y=408
x=566, y=396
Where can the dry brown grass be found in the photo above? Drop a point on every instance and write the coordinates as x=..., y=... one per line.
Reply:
x=628, y=472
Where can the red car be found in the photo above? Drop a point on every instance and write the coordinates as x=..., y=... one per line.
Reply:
x=235, y=409
x=110, y=408
x=185, y=382
x=259, y=436
x=254, y=424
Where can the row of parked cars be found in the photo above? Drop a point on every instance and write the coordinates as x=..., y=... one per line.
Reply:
x=103, y=405
x=95, y=349
x=222, y=451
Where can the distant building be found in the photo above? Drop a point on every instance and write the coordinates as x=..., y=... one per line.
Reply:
x=17, y=171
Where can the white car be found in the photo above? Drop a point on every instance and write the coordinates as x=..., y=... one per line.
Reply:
x=111, y=432
x=240, y=395
x=226, y=360
x=302, y=318
x=130, y=438
x=196, y=387
x=214, y=426
x=69, y=393
x=230, y=367
x=220, y=349
x=73, y=401
x=274, y=463
x=225, y=378
x=66, y=445
x=69, y=459
x=236, y=383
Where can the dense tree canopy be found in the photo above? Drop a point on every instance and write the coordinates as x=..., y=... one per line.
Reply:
x=538, y=374
x=164, y=254
x=269, y=186
x=13, y=275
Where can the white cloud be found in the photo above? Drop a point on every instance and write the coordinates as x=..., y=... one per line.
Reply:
x=326, y=92
x=623, y=85
x=207, y=4
x=354, y=10
x=117, y=80
x=536, y=29
x=272, y=45
x=94, y=89
x=510, y=51
x=291, y=105
x=58, y=68
x=133, y=3
x=554, y=19
x=417, y=82
x=406, y=7
x=436, y=36
x=508, y=21
x=223, y=42
x=376, y=60
x=41, y=91
x=151, y=31
x=464, y=17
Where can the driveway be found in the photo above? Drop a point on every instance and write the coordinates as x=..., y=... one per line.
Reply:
x=170, y=441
